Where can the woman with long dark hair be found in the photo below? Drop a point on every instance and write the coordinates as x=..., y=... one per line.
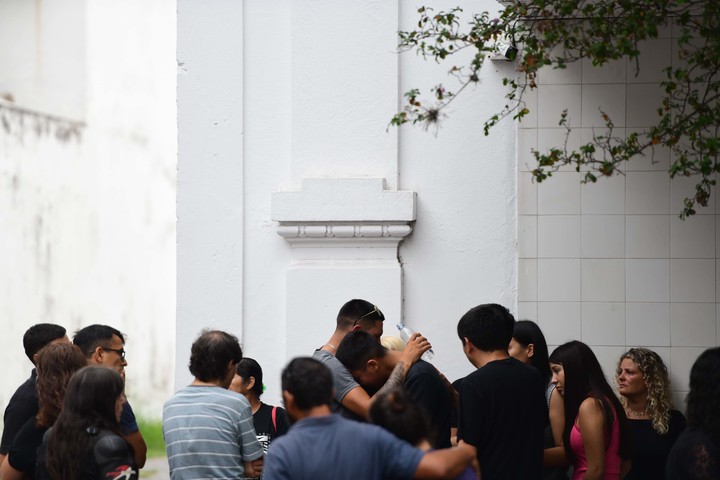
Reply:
x=644, y=387
x=596, y=436
x=55, y=364
x=696, y=453
x=529, y=346
x=85, y=443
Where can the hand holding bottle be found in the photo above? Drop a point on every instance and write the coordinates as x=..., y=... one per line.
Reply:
x=406, y=333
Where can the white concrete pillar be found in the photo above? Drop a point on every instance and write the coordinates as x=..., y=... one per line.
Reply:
x=344, y=233
x=344, y=89
x=210, y=172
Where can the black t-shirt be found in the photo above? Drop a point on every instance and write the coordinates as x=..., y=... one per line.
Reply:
x=430, y=392
x=23, y=451
x=23, y=405
x=652, y=448
x=265, y=430
x=503, y=414
x=693, y=457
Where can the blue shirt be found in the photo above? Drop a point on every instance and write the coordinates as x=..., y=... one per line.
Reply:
x=333, y=447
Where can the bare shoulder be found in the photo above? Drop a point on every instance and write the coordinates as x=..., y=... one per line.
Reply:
x=556, y=400
x=591, y=406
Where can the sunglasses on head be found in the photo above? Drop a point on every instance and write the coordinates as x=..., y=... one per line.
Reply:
x=374, y=310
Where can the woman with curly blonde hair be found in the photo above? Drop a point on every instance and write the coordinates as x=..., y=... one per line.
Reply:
x=644, y=387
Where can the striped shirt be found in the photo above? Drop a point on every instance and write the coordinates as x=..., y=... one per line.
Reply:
x=208, y=433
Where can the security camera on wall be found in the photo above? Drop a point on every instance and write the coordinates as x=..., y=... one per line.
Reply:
x=504, y=51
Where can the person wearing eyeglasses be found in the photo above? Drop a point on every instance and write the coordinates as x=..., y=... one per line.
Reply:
x=105, y=346
x=350, y=399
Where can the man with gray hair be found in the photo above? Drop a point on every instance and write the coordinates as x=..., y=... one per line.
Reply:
x=208, y=429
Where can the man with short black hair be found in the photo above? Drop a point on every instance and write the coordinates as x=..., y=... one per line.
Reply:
x=23, y=404
x=208, y=429
x=371, y=365
x=502, y=404
x=104, y=345
x=321, y=445
x=351, y=400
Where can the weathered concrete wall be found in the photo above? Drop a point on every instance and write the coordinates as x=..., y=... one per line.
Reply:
x=88, y=223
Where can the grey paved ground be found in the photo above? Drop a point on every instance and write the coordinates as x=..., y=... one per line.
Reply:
x=155, y=469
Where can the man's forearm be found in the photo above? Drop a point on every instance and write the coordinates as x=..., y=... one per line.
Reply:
x=397, y=377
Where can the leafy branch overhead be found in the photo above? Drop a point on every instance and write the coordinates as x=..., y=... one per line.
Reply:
x=551, y=34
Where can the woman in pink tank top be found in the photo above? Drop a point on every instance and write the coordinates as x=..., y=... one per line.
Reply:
x=597, y=432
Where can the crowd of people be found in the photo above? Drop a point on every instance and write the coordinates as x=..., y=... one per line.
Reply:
x=70, y=420
x=368, y=407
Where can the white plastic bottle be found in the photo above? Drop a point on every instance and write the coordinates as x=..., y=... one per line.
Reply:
x=406, y=333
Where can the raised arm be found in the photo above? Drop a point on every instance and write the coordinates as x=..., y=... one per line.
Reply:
x=415, y=347
x=358, y=401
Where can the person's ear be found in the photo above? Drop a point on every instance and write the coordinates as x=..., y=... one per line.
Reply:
x=467, y=345
x=356, y=328
x=288, y=400
x=229, y=374
x=250, y=383
x=372, y=365
x=530, y=350
x=97, y=355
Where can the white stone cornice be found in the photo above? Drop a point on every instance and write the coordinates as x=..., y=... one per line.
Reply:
x=311, y=232
x=331, y=219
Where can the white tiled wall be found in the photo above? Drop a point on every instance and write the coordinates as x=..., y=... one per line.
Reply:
x=611, y=263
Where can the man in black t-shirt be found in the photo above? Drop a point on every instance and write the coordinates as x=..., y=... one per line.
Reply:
x=24, y=403
x=371, y=365
x=502, y=404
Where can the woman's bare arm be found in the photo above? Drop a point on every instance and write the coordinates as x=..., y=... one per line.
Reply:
x=591, y=422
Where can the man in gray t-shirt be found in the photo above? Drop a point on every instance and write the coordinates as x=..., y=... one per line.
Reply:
x=208, y=430
x=350, y=399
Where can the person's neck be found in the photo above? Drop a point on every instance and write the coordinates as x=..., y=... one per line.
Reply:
x=319, y=411
x=254, y=403
x=332, y=344
x=482, y=358
x=212, y=383
x=635, y=406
